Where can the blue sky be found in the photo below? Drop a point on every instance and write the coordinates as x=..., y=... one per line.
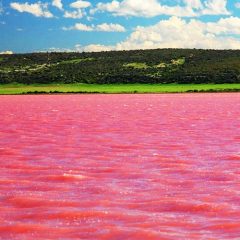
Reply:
x=76, y=25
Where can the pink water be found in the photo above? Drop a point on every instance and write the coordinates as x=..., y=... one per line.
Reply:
x=120, y=167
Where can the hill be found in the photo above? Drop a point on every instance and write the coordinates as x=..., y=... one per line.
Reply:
x=138, y=66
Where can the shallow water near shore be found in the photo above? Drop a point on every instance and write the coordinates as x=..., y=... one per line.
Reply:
x=120, y=166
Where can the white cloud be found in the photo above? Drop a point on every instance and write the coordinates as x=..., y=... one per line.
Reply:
x=152, y=8
x=74, y=14
x=237, y=5
x=215, y=7
x=58, y=4
x=93, y=48
x=179, y=33
x=195, y=4
x=229, y=25
x=37, y=9
x=54, y=49
x=79, y=27
x=110, y=28
x=90, y=18
x=1, y=7
x=104, y=27
x=79, y=12
x=6, y=52
x=80, y=4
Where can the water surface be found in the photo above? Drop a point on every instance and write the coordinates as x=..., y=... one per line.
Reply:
x=120, y=166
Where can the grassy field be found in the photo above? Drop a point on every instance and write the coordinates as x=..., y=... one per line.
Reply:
x=116, y=88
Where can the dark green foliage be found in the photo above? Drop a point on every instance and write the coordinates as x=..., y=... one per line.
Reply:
x=138, y=66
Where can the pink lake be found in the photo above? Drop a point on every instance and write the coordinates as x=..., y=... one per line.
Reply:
x=120, y=166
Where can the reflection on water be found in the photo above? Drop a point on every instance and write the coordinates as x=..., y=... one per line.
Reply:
x=120, y=166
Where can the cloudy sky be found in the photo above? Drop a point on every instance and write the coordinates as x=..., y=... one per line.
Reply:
x=76, y=25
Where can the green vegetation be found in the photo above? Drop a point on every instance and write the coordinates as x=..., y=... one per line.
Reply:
x=136, y=65
x=78, y=60
x=115, y=88
x=159, y=66
x=179, y=61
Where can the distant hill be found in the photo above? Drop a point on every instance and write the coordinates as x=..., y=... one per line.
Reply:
x=138, y=66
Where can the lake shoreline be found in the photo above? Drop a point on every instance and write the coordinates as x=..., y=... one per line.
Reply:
x=37, y=89
x=124, y=93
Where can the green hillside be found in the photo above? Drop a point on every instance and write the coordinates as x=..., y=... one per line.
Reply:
x=139, y=66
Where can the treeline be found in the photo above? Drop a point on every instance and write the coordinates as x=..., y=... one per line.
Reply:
x=138, y=66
